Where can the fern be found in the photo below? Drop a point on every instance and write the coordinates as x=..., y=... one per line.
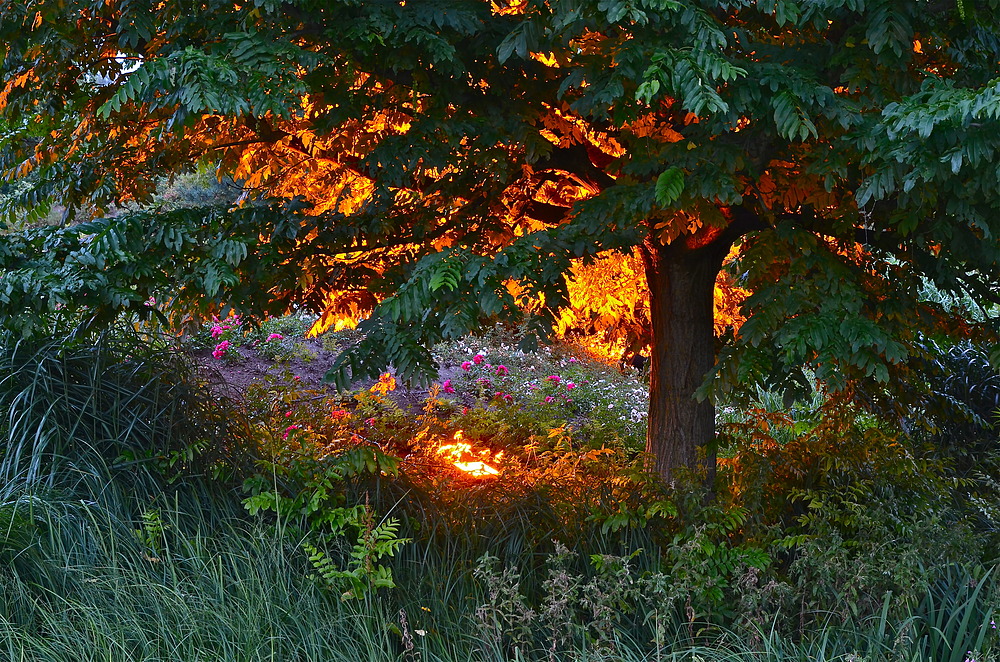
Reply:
x=364, y=571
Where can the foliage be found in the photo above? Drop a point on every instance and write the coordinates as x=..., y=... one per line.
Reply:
x=952, y=617
x=195, y=189
x=303, y=483
x=374, y=542
x=127, y=403
x=851, y=507
x=863, y=552
x=555, y=386
x=442, y=165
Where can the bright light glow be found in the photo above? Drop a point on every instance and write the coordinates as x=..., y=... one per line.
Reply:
x=461, y=455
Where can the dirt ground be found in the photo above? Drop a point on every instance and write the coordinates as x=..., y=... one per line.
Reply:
x=235, y=376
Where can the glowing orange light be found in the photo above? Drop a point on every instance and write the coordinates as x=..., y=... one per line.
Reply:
x=460, y=454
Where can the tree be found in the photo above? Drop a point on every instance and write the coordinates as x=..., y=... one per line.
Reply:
x=442, y=162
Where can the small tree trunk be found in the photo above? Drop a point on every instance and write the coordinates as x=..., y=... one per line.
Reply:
x=681, y=283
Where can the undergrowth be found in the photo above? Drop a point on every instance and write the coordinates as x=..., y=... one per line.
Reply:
x=143, y=516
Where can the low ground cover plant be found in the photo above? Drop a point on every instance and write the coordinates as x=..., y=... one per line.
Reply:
x=456, y=523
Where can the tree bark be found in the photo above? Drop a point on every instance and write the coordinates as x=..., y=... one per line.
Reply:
x=681, y=278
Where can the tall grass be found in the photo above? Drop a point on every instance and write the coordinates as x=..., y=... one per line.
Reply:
x=95, y=589
x=241, y=593
x=123, y=404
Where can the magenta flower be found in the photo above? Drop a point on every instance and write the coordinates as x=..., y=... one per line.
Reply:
x=570, y=386
x=549, y=398
x=447, y=387
x=502, y=370
x=508, y=397
x=466, y=365
x=221, y=349
x=477, y=359
x=288, y=431
x=554, y=378
x=217, y=331
x=276, y=336
x=498, y=395
x=572, y=359
x=484, y=381
x=370, y=421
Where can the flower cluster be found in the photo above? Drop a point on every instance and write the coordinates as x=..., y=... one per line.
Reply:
x=224, y=331
x=219, y=328
x=221, y=349
x=483, y=380
x=554, y=389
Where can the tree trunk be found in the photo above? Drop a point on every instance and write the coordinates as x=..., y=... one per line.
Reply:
x=681, y=281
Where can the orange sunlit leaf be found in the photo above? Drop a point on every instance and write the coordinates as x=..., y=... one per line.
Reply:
x=548, y=59
x=384, y=384
x=511, y=8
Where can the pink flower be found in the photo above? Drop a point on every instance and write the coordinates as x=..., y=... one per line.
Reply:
x=447, y=387
x=485, y=382
x=532, y=387
x=465, y=410
x=221, y=349
x=288, y=414
x=570, y=386
x=554, y=378
x=572, y=359
x=502, y=370
x=477, y=359
x=466, y=365
x=370, y=421
x=549, y=398
x=296, y=378
x=276, y=336
x=217, y=331
x=498, y=395
x=508, y=397
x=288, y=431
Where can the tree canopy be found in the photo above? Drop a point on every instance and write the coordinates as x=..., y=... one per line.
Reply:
x=435, y=163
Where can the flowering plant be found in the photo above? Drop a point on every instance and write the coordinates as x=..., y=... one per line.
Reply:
x=221, y=350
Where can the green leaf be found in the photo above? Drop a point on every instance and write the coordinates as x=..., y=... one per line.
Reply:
x=669, y=186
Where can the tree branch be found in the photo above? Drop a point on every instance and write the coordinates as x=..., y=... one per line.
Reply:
x=545, y=212
x=576, y=161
